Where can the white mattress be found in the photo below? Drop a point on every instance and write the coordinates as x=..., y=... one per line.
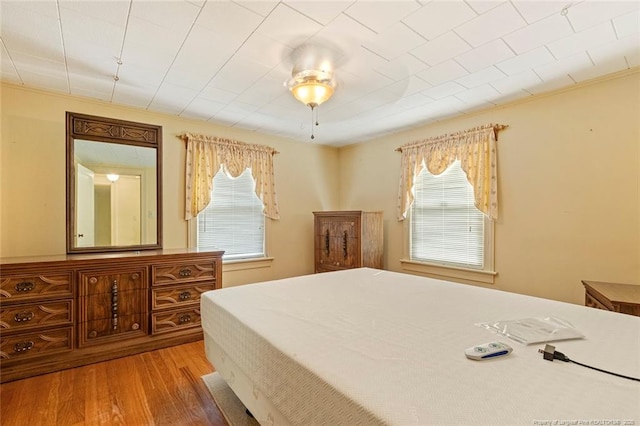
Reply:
x=371, y=347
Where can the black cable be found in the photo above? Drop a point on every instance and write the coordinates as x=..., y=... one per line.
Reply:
x=549, y=353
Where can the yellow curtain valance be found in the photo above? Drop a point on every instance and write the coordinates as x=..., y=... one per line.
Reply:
x=476, y=150
x=205, y=156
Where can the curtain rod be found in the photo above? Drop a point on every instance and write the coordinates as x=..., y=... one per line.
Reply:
x=228, y=142
x=496, y=129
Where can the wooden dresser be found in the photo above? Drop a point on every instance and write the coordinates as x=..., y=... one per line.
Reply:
x=58, y=312
x=348, y=239
x=623, y=298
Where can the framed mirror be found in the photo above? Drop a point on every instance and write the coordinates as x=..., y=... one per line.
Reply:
x=114, y=185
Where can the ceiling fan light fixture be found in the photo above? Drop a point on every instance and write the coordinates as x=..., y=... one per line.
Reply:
x=312, y=87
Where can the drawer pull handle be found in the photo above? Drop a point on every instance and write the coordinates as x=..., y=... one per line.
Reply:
x=185, y=295
x=184, y=319
x=23, y=346
x=93, y=334
x=344, y=243
x=186, y=272
x=135, y=326
x=24, y=286
x=114, y=305
x=327, y=242
x=23, y=316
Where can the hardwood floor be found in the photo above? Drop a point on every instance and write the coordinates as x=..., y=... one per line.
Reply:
x=162, y=387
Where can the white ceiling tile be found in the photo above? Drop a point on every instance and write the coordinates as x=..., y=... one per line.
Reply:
x=361, y=59
x=526, y=61
x=264, y=50
x=603, y=68
x=217, y=95
x=484, y=56
x=150, y=37
x=229, y=20
x=514, y=83
x=322, y=12
x=533, y=11
x=442, y=48
x=443, y=72
x=564, y=66
x=199, y=48
x=93, y=30
x=443, y=90
x=345, y=33
x=52, y=81
x=497, y=22
x=628, y=46
x=103, y=95
x=519, y=94
x=172, y=99
x=111, y=12
x=478, y=95
x=633, y=59
x=133, y=95
x=176, y=16
x=628, y=24
x=559, y=82
x=102, y=84
x=288, y=26
x=394, y=41
x=438, y=17
x=261, y=7
x=484, y=5
x=262, y=92
x=539, y=34
x=238, y=74
x=24, y=62
x=590, y=13
x=481, y=77
x=409, y=86
x=401, y=67
x=43, y=38
x=579, y=42
x=380, y=15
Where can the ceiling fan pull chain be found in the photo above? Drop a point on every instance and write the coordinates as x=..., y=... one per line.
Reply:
x=312, y=137
x=317, y=114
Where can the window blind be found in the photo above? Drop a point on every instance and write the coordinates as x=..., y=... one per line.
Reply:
x=446, y=227
x=233, y=221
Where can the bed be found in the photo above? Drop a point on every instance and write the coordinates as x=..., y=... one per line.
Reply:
x=372, y=347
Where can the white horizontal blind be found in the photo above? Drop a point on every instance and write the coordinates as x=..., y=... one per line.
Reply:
x=446, y=227
x=233, y=221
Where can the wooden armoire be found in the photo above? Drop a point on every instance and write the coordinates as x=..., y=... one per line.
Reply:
x=348, y=239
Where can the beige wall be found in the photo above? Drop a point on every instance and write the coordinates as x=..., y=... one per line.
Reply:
x=32, y=180
x=568, y=187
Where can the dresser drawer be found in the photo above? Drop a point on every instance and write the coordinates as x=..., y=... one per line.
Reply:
x=183, y=273
x=21, y=317
x=176, y=296
x=164, y=322
x=112, y=329
x=26, y=287
x=35, y=344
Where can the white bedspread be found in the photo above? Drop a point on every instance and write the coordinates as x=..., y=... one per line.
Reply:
x=370, y=347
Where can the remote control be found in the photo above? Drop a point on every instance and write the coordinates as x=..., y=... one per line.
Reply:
x=488, y=351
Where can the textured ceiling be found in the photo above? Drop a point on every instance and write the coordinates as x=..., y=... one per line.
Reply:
x=399, y=64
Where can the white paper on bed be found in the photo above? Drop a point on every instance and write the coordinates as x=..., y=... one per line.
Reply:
x=376, y=347
x=534, y=330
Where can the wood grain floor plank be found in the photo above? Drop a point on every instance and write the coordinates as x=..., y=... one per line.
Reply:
x=162, y=387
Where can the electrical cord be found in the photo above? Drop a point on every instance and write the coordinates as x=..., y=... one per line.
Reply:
x=549, y=353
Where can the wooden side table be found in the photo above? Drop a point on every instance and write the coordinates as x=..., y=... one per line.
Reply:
x=623, y=298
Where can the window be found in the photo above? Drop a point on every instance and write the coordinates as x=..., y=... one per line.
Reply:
x=445, y=226
x=233, y=221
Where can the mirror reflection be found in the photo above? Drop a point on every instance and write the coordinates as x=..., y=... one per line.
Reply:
x=115, y=194
x=114, y=184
